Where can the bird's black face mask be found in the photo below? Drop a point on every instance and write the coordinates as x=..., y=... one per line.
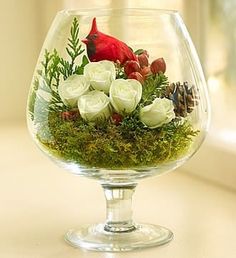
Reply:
x=91, y=48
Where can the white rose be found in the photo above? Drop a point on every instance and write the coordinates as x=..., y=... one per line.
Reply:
x=72, y=88
x=94, y=105
x=125, y=95
x=160, y=112
x=100, y=74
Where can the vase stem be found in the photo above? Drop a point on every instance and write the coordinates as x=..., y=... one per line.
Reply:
x=119, y=208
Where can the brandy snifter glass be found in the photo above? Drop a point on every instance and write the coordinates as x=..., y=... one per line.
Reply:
x=118, y=95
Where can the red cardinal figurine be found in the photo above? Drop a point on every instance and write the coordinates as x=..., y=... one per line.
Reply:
x=104, y=47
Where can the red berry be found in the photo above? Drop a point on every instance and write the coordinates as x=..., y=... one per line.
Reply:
x=116, y=118
x=131, y=66
x=69, y=115
x=146, y=53
x=145, y=71
x=158, y=65
x=137, y=76
x=143, y=60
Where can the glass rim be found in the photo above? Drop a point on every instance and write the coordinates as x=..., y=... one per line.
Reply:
x=125, y=11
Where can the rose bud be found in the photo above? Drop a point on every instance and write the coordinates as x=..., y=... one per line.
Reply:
x=125, y=95
x=145, y=71
x=95, y=105
x=143, y=60
x=137, y=76
x=158, y=66
x=158, y=113
x=131, y=66
x=116, y=119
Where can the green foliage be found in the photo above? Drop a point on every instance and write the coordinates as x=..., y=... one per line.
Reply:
x=109, y=146
x=153, y=87
x=131, y=124
x=74, y=49
x=79, y=69
x=54, y=68
x=139, y=51
x=50, y=72
x=120, y=74
x=50, y=78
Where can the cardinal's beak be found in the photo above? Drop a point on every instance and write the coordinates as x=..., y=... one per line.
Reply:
x=85, y=41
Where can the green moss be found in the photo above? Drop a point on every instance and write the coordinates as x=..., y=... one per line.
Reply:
x=106, y=145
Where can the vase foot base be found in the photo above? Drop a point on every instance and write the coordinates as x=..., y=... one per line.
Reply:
x=94, y=237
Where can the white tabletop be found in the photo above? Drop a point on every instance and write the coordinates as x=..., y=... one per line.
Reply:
x=40, y=202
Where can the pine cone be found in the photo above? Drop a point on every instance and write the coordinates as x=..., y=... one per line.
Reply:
x=184, y=97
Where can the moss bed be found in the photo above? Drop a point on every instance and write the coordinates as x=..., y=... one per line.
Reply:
x=109, y=146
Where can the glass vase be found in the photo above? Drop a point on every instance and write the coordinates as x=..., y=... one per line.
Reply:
x=118, y=95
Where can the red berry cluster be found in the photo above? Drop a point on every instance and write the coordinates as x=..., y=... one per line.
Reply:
x=139, y=70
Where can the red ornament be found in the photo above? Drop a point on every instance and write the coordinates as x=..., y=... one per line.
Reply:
x=116, y=118
x=70, y=115
x=137, y=76
x=146, y=71
x=131, y=66
x=143, y=60
x=158, y=65
x=104, y=47
x=146, y=53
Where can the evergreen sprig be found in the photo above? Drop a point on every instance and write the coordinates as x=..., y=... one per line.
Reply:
x=51, y=72
x=120, y=74
x=74, y=49
x=79, y=69
x=51, y=75
x=54, y=68
x=153, y=87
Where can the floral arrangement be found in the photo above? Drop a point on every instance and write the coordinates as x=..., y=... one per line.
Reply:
x=108, y=95
x=114, y=110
